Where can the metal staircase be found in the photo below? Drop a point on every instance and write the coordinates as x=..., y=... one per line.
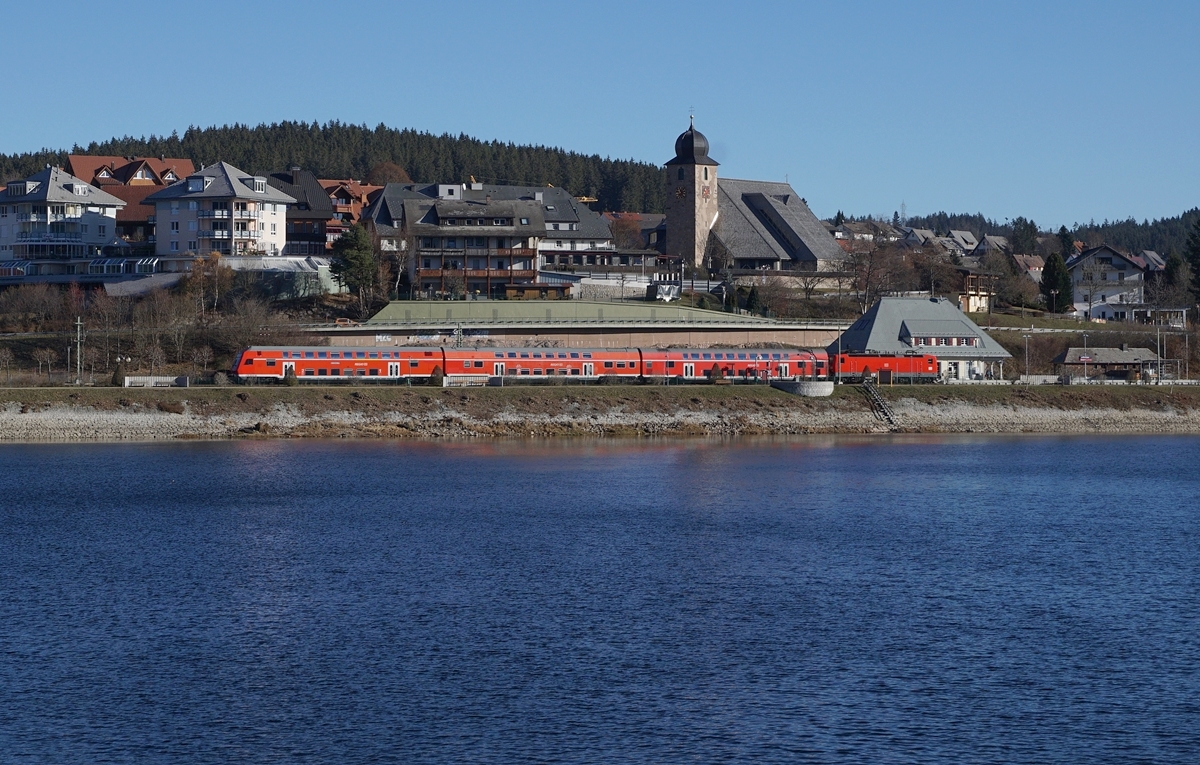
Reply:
x=881, y=408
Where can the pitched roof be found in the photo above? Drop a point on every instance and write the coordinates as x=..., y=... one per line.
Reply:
x=887, y=325
x=122, y=169
x=312, y=201
x=965, y=239
x=1077, y=260
x=134, y=197
x=226, y=181
x=763, y=220
x=1105, y=356
x=990, y=243
x=54, y=184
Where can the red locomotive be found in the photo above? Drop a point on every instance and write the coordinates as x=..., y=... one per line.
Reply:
x=887, y=368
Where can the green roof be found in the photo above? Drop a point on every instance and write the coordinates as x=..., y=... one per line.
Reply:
x=509, y=312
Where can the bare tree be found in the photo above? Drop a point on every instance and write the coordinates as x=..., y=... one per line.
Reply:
x=809, y=281
x=45, y=356
x=155, y=357
x=91, y=358
x=202, y=355
x=6, y=360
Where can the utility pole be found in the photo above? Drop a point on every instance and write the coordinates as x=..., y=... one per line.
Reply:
x=78, y=350
x=1085, y=377
x=1026, y=358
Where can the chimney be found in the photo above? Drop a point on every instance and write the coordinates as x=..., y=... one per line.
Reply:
x=1124, y=346
x=488, y=199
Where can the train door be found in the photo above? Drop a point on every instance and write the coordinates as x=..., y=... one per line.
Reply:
x=393, y=369
x=498, y=369
x=689, y=370
x=783, y=370
x=289, y=368
x=589, y=370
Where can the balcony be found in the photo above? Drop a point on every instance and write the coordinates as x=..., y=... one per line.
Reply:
x=475, y=273
x=247, y=214
x=221, y=214
x=47, y=236
x=247, y=234
x=214, y=234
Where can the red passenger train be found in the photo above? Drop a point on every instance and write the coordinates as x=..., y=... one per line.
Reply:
x=333, y=364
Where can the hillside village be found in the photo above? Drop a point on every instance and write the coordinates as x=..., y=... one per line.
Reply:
x=133, y=227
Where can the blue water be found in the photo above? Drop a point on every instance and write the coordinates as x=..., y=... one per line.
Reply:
x=935, y=600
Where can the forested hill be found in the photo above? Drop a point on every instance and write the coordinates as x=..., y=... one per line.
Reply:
x=337, y=150
x=1165, y=235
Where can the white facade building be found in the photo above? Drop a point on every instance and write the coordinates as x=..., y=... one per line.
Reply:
x=220, y=209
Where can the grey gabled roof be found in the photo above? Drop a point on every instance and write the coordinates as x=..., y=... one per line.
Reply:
x=885, y=327
x=762, y=220
x=1104, y=356
x=56, y=185
x=227, y=182
x=312, y=201
x=388, y=211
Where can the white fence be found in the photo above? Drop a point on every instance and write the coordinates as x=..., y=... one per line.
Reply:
x=156, y=381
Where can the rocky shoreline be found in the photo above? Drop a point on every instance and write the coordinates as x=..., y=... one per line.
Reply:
x=548, y=414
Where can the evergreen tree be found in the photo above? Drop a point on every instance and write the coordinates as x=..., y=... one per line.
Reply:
x=1066, y=242
x=839, y=219
x=1023, y=239
x=1193, y=255
x=1056, y=284
x=354, y=264
x=753, y=302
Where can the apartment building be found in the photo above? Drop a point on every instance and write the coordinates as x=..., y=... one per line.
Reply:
x=220, y=209
x=53, y=224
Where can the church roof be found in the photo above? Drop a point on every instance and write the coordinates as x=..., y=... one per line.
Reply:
x=763, y=220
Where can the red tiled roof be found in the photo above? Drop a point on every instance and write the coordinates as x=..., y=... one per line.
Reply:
x=132, y=196
x=86, y=167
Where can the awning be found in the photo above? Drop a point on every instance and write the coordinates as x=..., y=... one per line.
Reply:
x=14, y=267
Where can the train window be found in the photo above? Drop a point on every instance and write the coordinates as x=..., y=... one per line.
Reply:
x=537, y=355
x=775, y=356
x=479, y=365
x=707, y=356
x=524, y=371
x=374, y=371
x=524, y=355
x=247, y=362
x=335, y=355
x=321, y=354
x=310, y=372
x=574, y=355
x=537, y=371
x=741, y=357
x=562, y=371
x=512, y=370
x=670, y=365
x=587, y=355
x=270, y=362
x=609, y=365
x=335, y=372
x=512, y=355
x=372, y=355
x=323, y=372
x=412, y=364
x=562, y=355
x=466, y=365
x=620, y=365
x=696, y=355
x=499, y=355
x=787, y=355
x=309, y=354
x=360, y=355
x=574, y=371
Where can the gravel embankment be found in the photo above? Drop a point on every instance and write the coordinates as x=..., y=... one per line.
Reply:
x=418, y=415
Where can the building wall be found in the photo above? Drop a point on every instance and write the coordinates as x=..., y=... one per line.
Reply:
x=600, y=338
x=691, y=210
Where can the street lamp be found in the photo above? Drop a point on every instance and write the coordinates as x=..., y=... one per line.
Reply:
x=1085, y=356
x=1053, y=301
x=1026, y=358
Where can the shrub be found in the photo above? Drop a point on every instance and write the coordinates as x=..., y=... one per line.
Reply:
x=438, y=377
x=118, y=376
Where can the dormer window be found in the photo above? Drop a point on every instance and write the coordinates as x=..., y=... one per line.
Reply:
x=104, y=174
x=142, y=174
x=451, y=222
x=81, y=189
x=169, y=176
x=196, y=183
x=17, y=189
x=260, y=186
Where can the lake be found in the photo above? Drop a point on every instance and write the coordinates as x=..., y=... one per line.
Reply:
x=923, y=599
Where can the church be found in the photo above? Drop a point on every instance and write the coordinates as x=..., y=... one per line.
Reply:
x=718, y=223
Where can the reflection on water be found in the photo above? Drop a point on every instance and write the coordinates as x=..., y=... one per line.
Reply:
x=914, y=598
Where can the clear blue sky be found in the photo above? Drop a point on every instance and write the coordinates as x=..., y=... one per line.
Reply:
x=1058, y=111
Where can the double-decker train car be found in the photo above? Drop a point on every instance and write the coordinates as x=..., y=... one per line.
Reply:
x=855, y=367
x=735, y=363
x=328, y=364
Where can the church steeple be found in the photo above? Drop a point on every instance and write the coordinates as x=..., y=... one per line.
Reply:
x=691, y=197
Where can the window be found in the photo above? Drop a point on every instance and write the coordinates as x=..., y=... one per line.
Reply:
x=101, y=230
x=524, y=221
x=550, y=208
x=174, y=225
x=192, y=245
x=498, y=222
x=681, y=173
x=191, y=225
x=174, y=246
x=174, y=208
x=451, y=222
x=608, y=365
x=272, y=228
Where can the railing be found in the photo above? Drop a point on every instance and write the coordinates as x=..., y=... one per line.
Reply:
x=213, y=214
x=46, y=236
x=476, y=273
x=247, y=234
x=214, y=235
x=244, y=214
x=504, y=252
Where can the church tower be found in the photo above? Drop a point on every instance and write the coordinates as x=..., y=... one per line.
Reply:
x=691, y=197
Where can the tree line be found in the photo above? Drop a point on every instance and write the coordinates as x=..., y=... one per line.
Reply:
x=340, y=150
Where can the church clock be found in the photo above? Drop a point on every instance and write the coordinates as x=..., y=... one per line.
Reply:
x=680, y=192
